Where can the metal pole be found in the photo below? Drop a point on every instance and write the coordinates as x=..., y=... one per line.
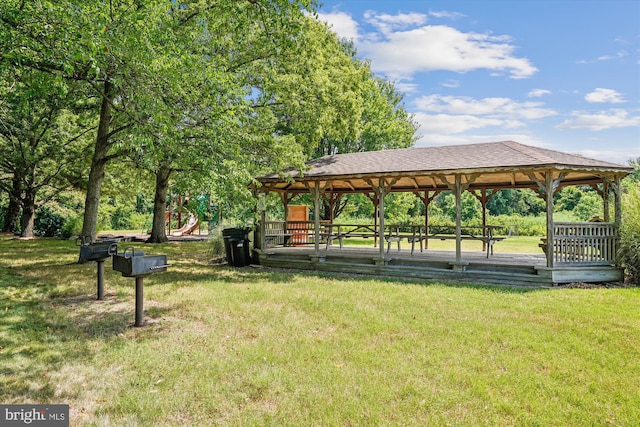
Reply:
x=139, y=294
x=100, y=279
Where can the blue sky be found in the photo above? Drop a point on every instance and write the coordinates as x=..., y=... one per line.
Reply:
x=558, y=74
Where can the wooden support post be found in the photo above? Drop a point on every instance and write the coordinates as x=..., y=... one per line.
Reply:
x=484, y=198
x=426, y=199
x=458, y=187
x=285, y=204
x=380, y=194
x=604, y=193
x=605, y=201
x=331, y=199
x=381, y=190
x=458, y=194
x=548, y=187
x=261, y=207
x=548, y=190
x=617, y=191
x=316, y=218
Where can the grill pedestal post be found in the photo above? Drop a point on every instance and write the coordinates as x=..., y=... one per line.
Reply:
x=100, y=279
x=139, y=301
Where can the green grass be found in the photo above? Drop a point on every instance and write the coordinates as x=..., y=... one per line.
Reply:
x=254, y=346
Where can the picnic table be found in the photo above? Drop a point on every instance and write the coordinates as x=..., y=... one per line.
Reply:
x=413, y=233
x=331, y=232
x=486, y=234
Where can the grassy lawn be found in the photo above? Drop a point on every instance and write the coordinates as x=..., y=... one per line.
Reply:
x=254, y=346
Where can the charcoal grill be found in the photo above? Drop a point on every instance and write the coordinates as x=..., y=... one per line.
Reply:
x=132, y=263
x=98, y=251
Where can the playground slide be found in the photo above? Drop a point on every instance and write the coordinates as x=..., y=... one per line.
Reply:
x=188, y=228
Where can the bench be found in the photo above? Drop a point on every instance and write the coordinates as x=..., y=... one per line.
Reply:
x=489, y=240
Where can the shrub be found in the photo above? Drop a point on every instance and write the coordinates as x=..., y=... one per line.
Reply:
x=629, y=252
x=216, y=244
x=48, y=223
x=72, y=227
x=121, y=217
x=216, y=241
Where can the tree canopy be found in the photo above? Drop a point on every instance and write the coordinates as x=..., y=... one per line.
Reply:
x=206, y=93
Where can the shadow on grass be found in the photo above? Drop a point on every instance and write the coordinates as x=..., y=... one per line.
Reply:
x=41, y=333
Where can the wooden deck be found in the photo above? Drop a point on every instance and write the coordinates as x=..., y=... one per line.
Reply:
x=500, y=268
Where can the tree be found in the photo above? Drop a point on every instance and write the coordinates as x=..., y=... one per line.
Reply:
x=335, y=104
x=226, y=122
x=516, y=201
x=136, y=55
x=42, y=139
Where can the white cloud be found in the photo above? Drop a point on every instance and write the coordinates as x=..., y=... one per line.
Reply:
x=614, y=118
x=537, y=93
x=617, y=55
x=341, y=23
x=386, y=23
x=452, y=124
x=402, y=45
x=407, y=87
x=614, y=156
x=451, y=83
x=500, y=108
x=439, y=47
x=445, y=14
x=435, y=139
x=604, y=95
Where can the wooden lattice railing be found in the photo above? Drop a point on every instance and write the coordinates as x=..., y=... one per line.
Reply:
x=585, y=242
x=281, y=233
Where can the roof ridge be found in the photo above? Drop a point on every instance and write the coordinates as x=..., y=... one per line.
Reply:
x=530, y=151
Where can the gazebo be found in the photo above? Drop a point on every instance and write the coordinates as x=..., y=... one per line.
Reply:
x=573, y=252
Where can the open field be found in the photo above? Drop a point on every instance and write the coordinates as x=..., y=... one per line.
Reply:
x=254, y=346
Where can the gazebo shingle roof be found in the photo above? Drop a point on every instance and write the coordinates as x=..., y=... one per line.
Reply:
x=486, y=158
x=432, y=159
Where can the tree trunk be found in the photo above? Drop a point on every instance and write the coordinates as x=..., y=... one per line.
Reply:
x=28, y=213
x=158, y=233
x=12, y=215
x=98, y=163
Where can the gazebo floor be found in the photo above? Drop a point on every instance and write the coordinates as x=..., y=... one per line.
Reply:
x=475, y=267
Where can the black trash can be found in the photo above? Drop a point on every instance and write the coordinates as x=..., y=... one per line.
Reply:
x=236, y=246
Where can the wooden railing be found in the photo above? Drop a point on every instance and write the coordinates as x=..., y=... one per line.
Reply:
x=585, y=242
x=290, y=233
